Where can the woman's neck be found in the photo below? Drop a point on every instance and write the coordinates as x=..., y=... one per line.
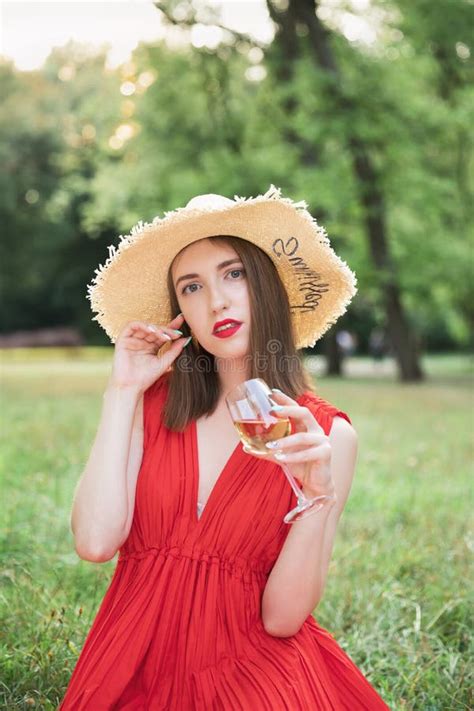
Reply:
x=230, y=375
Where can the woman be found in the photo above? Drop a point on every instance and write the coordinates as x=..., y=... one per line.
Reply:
x=210, y=604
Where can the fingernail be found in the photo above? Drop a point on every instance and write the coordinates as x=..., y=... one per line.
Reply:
x=180, y=314
x=167, y=336
x=272, y=445
x=277, y=407
x=280, y=455
x=176, y=330
x=277, y=390
x=187, y=341
x=152, y=328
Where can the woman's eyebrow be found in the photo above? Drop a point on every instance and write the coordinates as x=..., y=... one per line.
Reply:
x=219, y=266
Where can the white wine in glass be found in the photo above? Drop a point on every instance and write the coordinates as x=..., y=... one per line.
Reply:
x=249, y=405
x=256, y=433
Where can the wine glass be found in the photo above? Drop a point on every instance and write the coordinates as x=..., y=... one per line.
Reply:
x=249, y=404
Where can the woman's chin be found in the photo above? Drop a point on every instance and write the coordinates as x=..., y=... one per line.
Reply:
x=230, y=350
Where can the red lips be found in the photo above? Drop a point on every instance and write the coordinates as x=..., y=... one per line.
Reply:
x=224, y=322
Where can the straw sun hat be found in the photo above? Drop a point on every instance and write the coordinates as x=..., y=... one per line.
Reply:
x=132, y=284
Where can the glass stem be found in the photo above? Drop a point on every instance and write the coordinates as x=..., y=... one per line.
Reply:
x=299, y=494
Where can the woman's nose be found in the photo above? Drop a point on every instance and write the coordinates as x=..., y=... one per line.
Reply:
x=218, y=299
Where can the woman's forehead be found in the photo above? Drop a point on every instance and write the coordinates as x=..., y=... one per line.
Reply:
x=203, y=250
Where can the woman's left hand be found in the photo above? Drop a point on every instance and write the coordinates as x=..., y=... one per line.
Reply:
x=307, y=450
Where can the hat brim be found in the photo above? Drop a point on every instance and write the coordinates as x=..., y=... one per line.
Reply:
x=132, y=284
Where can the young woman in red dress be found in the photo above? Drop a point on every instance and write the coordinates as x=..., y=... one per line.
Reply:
x=210, y=604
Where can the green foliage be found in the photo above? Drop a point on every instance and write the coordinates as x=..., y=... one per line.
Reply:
x=89, y=152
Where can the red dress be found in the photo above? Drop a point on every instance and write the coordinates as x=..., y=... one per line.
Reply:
x=179, y=627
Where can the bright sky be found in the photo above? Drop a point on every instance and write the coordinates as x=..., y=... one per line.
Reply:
x=29, y=29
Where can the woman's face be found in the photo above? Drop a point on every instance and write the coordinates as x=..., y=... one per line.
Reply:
x=209, y=292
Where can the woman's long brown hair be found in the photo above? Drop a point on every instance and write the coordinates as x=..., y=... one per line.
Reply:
x=193, y=378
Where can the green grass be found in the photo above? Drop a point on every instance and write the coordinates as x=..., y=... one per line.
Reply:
x=397, y=592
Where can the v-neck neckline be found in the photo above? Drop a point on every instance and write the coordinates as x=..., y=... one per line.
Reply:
x=196, y=474
x=238, y=449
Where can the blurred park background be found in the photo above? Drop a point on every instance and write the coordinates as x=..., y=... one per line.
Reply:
x=363, y=108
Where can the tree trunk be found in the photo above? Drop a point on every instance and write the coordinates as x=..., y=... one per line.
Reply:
x=334, y=357
x=402, y=336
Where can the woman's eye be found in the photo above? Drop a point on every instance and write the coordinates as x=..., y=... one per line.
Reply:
x=242, y=271
x=183, y=291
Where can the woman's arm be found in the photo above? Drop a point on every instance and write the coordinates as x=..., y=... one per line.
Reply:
x=296, y=584
x=100, y=509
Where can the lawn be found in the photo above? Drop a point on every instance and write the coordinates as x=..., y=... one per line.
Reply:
x=397, y=593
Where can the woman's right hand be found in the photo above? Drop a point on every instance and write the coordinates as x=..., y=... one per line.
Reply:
x=136, y=363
